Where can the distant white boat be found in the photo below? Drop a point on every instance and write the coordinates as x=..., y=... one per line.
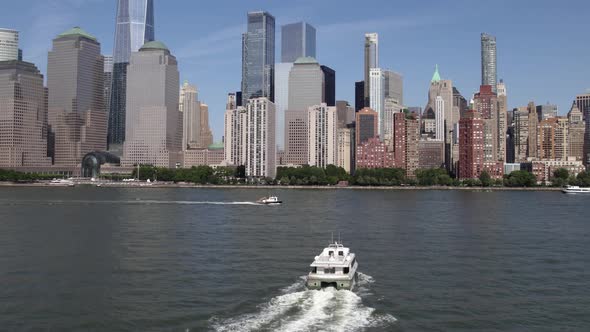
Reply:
x=271, y=200
x=62, y=183
x=575, y=190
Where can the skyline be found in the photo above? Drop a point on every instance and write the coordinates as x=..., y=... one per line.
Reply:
x=208, y=49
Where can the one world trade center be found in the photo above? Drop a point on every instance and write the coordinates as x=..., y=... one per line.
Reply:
x=134, y=27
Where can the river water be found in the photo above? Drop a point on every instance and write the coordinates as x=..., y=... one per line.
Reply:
x=111, y=259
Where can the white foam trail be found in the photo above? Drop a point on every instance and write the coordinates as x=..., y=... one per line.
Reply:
x=137, y=201
x=310, y=310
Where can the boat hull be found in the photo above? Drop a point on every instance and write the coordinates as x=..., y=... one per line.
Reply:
x=318, y=282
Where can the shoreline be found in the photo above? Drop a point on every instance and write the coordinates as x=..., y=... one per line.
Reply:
x=199, y=186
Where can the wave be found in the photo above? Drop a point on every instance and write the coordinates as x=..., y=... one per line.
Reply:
x=299, y=309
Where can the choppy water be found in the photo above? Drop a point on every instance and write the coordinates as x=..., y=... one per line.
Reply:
x=109, y=259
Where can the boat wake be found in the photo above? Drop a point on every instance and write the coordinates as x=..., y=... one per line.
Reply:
x=129, y=202
x=299, y=309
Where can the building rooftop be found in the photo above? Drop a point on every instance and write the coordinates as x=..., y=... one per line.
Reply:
x=305, y=60
x=216, y=146
x=154, y=45
x=77, y=31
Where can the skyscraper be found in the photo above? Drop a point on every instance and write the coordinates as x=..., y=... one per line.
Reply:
x=134, y=27
x=258, y=57
x=329, y=85
x=502, y=121
x=444, y=89
x=260, y=148
x=583, y=103
x=486, y=103
x=405, y=147
x=546, y=111
x=75, y=83
x=322, y=135
x=306, y=89
x=23, y=124
x=488, y=61
x=8, y=45
x=393, y=86
x=282, y=71
x=377, y=96
x=206, y=133
x=190, y=107
x=439, y=111
x=235, y=132
x=297, y=40
x=359, y=95
x=371, y=61
x=108, y=80
x=154, y=124
x=576, y=133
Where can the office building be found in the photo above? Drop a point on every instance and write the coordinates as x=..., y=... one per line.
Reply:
x=366, y=125
x=444, y=89
x=322, y=135
x=377, y=96
x=371, y=61
x=190, y=107
x=235, y=133
x=297, y=40
x=306, y=89
x=258, y=57
x=346, y=113
x=260, y=148
x=488, y=61
x=486, y=103
x=520, y=131
x=576, y=133
x=390, y=108
x=546, y=111
x=76, y=112
x=9, y=45
x=329, y=85
x=502, y=120
x=134, y=27
x=439, y=116
x=108, y=80
x=23, y=124
x=359, y=95
x=206, y=133
x=282, y=71
x=393, y=86
x=154, y=123
x=345, y=146
x=583, y=103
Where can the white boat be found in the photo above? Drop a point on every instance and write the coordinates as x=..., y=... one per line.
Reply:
x=575, y=190
x=62, y=183
x=271, y=200
x=335, y=267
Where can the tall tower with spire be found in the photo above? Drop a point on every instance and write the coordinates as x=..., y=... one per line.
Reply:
x=442, y=106
x=134, y=27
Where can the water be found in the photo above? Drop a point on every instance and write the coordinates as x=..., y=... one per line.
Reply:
x=109, y=259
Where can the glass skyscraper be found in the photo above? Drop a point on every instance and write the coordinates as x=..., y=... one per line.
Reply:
x=134, y=27
x=488, y=60
x=297, y=40
x=258, y=57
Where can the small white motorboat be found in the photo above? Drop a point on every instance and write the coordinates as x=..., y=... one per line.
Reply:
x=270, y=200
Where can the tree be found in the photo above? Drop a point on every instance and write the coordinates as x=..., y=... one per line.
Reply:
x=485, y=178
x=561, y=173
x=583, y=179
x=520, y=179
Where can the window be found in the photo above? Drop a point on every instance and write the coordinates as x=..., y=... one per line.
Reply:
x=340, y=253
x=346, y=270
x=330, y=270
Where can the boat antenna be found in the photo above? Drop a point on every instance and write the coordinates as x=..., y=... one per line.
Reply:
x=332, y=238
x=339, y=240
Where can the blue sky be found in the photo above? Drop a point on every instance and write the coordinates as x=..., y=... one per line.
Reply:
x=543, y=46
